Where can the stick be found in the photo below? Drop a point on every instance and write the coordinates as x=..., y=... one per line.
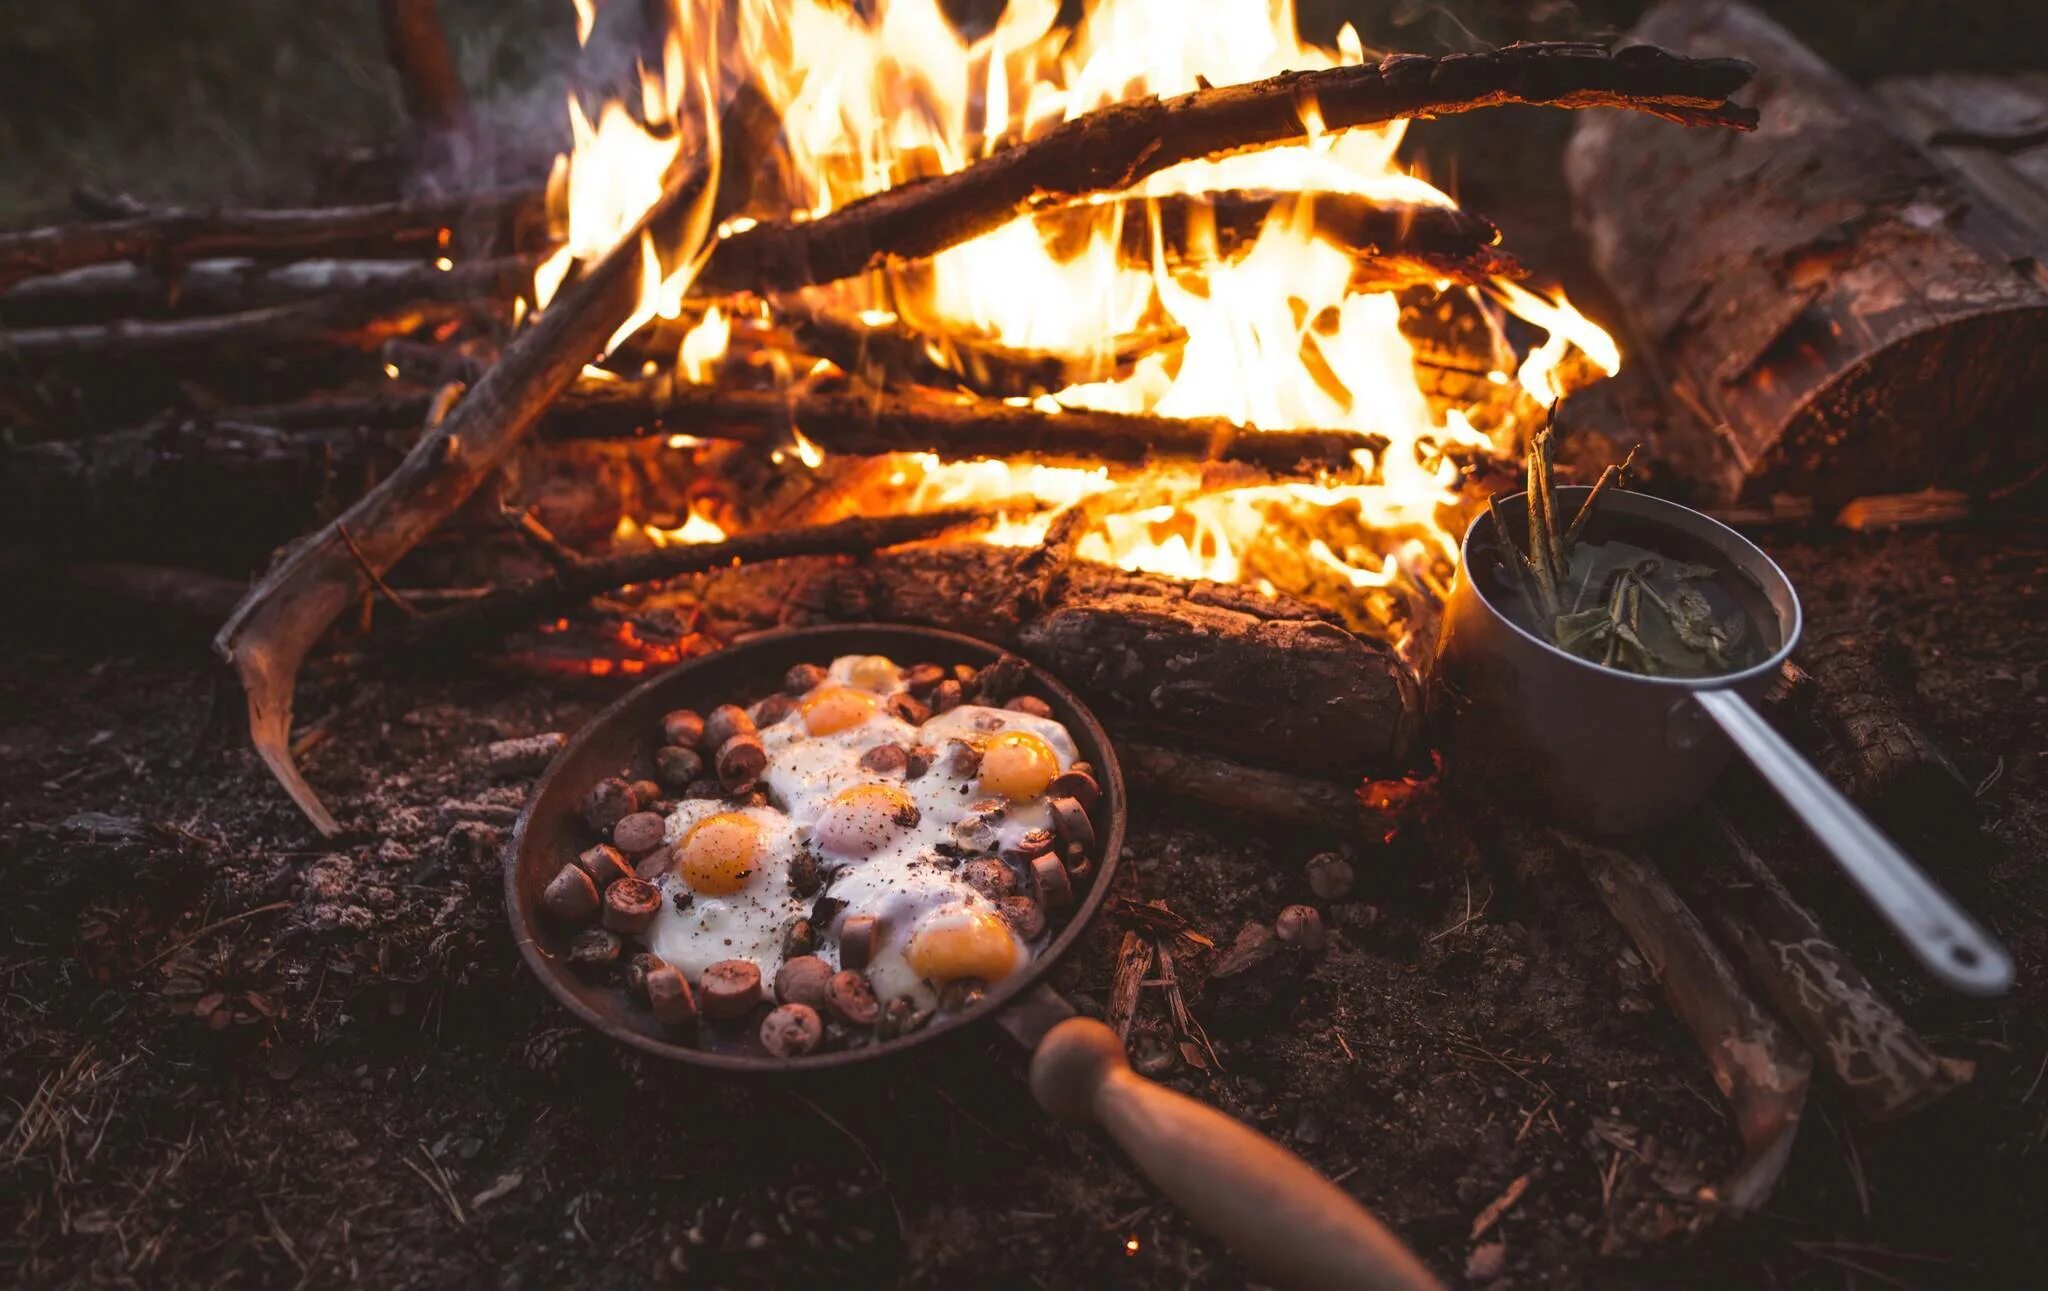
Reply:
x=1133, y=962
x=1885, y=1066
x=895, y=352
x=1758, y=1064
x=1119, y=146
x=1392, y=244
x=417, y=46
x=868, y=423
x=297, y=601
x=178, y=236
x=1300, y=801
x=517, y=604
x=102, y=292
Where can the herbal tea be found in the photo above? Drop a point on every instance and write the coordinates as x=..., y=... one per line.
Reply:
x=1620, y=593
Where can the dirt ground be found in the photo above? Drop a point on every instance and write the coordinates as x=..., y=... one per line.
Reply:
x=236, y=1054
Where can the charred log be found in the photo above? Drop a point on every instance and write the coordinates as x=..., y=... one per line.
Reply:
x=1843, y=316
x=122, y=291
x=1116, y=147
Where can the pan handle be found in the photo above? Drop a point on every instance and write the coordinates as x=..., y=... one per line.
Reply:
x=1295, y=1226
x=1938, y=932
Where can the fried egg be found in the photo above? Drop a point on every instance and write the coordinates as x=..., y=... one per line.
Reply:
x=890, y=845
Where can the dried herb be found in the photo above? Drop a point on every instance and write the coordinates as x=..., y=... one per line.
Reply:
x=1612, y=603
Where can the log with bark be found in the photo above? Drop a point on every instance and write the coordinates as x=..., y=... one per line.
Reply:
x=172, y=237
x=1842, y=315
x=1116, y=147
x=96, y=293
x=1392, y=244
x=1265, y=681
x=1861, y=699
x=1883, y=1064
x=294, y=604
x=1301, y=802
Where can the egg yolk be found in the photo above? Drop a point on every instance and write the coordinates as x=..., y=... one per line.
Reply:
x=1017, y=765
x=837, y=708
x=962, y=941
x=717, y=855
x=864, y=819
x=874, y=672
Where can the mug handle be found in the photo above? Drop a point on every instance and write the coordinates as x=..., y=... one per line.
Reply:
x=1939, y=933
x=1292, y=1224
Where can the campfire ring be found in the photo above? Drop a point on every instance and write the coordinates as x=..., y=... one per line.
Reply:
x=547, y=835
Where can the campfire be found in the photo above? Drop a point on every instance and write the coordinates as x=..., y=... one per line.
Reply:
x=1130, y=339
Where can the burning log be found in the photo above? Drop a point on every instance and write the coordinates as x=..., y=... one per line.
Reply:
x=1885, y=1066
x=1393, y=244
x=1759, y=1065
x=867, y=423
x=1118, y=146
x=894, y=352
x=110, y=291
x=1846, y=315
x=574, y=582
x=174, y=237
x=1221, y=670
x=297, y=601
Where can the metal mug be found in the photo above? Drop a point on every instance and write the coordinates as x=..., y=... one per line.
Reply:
x=1615, y=752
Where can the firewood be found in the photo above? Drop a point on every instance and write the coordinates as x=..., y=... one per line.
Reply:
x=1298, y=801
x=1843, y=317
x=1884, y=757
x=517, y=604
x=98, y=293
x=1118, y=146
x=174, y=236
x=294, y=604
x=1392, y=244
x=1759, y=1065
x=1220, y=670
x=893, y=353
x=866, y=423
x=1885, y=1066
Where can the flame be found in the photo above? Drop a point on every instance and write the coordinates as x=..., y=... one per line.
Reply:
x=877, y=94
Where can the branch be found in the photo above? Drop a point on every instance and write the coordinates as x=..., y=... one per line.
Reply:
x=1116, y=147
x=270, y=635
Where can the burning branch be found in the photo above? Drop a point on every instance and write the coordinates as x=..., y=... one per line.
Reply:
x=1392, y=244
x=298, y=600
x=1118, y=146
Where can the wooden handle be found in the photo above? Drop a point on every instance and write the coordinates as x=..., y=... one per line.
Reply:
x=1294, y=1226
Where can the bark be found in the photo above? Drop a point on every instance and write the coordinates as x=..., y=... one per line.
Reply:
x=296, y=602
x=1297, y=801
x=1759, y=1066
x=1220, y=670
x=1885, y=1066
x=174, y=237
x=1117, y=147
x=1842, y=316
x=1392, y=244
x=1885, y=759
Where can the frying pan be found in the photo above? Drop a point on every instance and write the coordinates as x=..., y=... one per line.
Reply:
x=1617, y=752
x=1297, y=1227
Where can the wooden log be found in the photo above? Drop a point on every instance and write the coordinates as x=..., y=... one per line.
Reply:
x=1259, y=680
x=1392, y=244
x=868, y=423
x=1760, y=1067
x=1883, y=1064
x=102, y=292
x=1118, y=146
x=175, y=236
x=515, y=605
x=1300, y=802
x=1843, y=316
x=890, y=354
x=1886, y=759
x=296, y=602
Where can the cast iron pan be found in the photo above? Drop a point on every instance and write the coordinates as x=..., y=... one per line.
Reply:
x=1299, y=1229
